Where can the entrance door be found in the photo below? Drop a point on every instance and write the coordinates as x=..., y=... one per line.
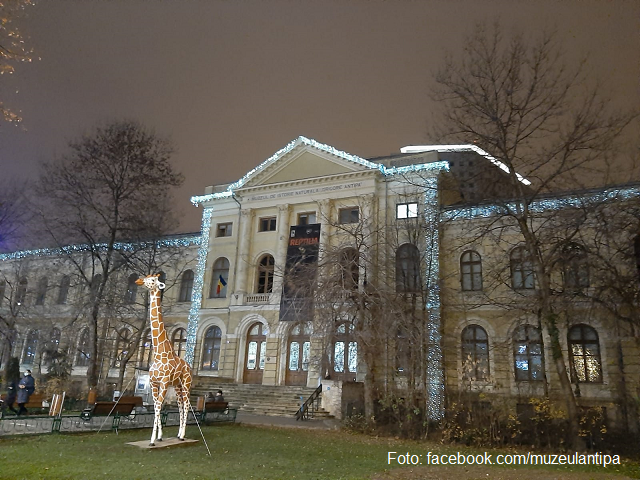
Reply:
x=345, y=353
x=298, y=353
x=254, y=358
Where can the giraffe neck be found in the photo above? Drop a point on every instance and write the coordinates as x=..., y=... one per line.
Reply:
x=159, y=337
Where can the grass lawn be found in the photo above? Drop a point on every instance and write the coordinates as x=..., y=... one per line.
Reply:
x=243, y=452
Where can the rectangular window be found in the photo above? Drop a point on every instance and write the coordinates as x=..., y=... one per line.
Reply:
x=307, y=218
x=267, y=224
x=224, y=229
x=349, y=215
x=407, y=210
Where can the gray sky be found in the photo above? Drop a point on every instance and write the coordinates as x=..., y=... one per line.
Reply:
x=233, y=81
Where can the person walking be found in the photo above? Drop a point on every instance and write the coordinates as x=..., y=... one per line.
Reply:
x=26, y=387
x=11, y=397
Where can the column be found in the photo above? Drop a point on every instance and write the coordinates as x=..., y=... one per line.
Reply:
x=324, y=218
x=246, y=220
x=284, y=212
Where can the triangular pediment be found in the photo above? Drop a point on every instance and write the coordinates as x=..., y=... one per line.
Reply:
x=304, y=159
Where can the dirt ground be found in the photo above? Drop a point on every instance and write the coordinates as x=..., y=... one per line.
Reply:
x=485, y=473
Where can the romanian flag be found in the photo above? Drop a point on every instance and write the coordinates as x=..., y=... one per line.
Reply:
x=221, y=284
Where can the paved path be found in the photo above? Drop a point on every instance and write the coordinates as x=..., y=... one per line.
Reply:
x=287, y=422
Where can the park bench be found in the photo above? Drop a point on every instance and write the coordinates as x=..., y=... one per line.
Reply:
x=210, y=411
x=98, y=409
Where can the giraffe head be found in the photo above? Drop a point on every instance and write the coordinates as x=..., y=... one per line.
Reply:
x=152, y=282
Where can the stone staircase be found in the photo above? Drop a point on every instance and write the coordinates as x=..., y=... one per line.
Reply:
x=280, y=401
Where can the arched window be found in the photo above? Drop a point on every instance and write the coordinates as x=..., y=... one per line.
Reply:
x=179, y=342
x=475, y=353
x=211, y=348
x=132, y=289
x=95, y=285
x=522, y=276
x=3, y=291
x=63, y=290
x=122, y=347
x=84, y=348
x=408, y=269
x=41, y=292
x=186, y=286
x=265, y=274
x=146, y=350
x=584, y=353
x=527, y=353
x=575, y=267
x=219, y=278
x=471, y=271
x=51, y=346
x=30, y=347
x=299, y=348
x=349, y=268
x=21, y=292
x=345, y=352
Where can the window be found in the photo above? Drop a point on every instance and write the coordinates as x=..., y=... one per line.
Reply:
x=475, y=353
x=224, y=229
x=307, y=218
x=345, y=351
x=349, y=269
x=527, y=353
x=146, y=350
x=408, y=269
x=63, y=290
x=211, y=349
x=267, y=224
x=265, y=274
x=122, y=347
x=522, y=277
x=30, y=347
x=584, y=353
x=179, y=342
x=84, y=347
x=21, y=292
x=186, y=286
x=41, y=293
x=219, y=278
x=132, y=289
x=3, y=290
x=349, y=215
x=471, y=271
x=575, y=267
x=407, y=210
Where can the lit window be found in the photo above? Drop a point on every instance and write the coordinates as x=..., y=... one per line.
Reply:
x=349, y=215
x=527, y=354
x=211, y=348
x=267, y=224
x=219, y=277
x=179, y=342
x=475, y=353
x=584, y=352
x=406, y=210
x=224, y=229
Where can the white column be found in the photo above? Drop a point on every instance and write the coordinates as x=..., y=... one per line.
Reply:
x=246, y=220
x=324, y=218
x=284, y=212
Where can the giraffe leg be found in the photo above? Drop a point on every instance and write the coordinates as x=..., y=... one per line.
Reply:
x=159, y=391
x=181, y=408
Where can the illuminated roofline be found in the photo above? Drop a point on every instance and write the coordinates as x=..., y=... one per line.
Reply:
x=199, y=199
x=462, y=148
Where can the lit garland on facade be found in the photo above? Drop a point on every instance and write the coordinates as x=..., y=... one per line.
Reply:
x=435, y=386
x=183, y=241
x=198, y=282
x=588, y=200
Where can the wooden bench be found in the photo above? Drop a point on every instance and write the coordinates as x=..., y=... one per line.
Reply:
x=35, y=401
x=98, y=409
x=215, y=411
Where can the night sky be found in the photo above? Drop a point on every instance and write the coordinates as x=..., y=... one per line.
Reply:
x=231, y=82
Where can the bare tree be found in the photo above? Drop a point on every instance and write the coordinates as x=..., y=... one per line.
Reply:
x=522, y=103
x=110, y=190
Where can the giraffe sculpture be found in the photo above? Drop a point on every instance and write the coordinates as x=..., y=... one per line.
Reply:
x=167, y=369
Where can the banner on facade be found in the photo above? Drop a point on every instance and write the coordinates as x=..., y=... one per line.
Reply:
x=296, y=303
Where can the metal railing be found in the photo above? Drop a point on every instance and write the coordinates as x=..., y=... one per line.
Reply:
x=308, y=408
